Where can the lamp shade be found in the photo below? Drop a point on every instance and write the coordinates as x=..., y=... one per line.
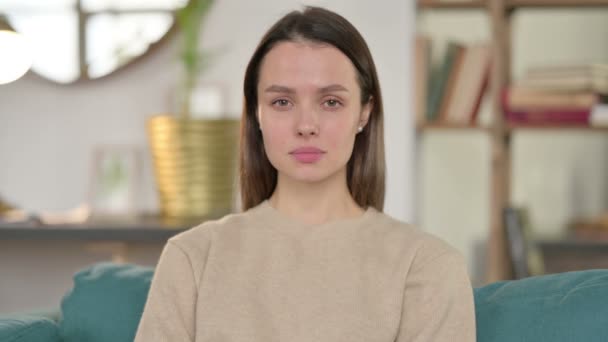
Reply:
x=16, y=56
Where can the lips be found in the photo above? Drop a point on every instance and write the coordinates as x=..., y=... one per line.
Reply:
x=307, y=154
x=307, y=150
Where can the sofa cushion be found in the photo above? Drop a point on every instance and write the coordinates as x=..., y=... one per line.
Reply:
x=570, y=306
x=28, y=328
x=106, y=303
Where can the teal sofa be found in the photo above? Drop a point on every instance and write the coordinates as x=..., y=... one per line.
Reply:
x=107, y=299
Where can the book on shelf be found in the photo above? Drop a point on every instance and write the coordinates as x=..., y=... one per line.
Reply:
x=470, y=80
x=590, y=77
x=517, y=243
x=589, y=69
x=439, y=80
x=594, y=228
x=448, y=1
x=457, y=85
x=548, y=117
x=526, y=259
x=450, y=86
x=422, y=63
x=534, y=108
x=588, y=232
x=559, y=95
x=522, y=99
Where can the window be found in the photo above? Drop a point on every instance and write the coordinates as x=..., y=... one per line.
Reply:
x=88, y=39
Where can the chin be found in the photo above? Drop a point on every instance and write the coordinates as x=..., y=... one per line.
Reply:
x=301, y=175
x=310, y=175
x=308, y=178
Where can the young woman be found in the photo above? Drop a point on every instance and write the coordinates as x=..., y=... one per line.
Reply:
x=312, y=257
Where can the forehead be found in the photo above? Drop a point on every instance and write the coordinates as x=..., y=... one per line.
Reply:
x=306, y=63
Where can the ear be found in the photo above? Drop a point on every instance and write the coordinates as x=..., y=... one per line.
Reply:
x=366, y=111
x=258, y=116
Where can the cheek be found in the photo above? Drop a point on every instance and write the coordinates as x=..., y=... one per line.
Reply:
x=340, y=132
x=275, y=136
x=340, y=135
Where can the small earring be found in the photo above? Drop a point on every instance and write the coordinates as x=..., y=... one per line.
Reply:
x=359, y=129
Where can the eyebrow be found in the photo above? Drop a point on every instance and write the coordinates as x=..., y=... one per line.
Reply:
x=286, y=90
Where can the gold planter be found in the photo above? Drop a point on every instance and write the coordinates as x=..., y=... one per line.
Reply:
x=194, y=165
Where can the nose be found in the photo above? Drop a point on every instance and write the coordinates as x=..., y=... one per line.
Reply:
x=308, y=130
x=308, y=124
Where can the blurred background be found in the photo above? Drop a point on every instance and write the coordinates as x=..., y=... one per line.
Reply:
x=76, y=146
x=119, y=120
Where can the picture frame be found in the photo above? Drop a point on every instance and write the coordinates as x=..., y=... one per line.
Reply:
x=115, y=181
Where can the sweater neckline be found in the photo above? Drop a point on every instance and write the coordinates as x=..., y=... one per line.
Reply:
x=281, y=221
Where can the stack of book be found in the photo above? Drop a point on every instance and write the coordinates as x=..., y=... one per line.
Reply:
x=595, y=228
x=450, y=93
x=559, y=95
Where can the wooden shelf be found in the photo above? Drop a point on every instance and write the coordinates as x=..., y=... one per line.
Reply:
x=499, y=13
x=558, y=128
x=149, y=235
x=510, y=4
x=514, y=4
x=438, y=4
x=511, y=128
x=444, y=126
x=142, y=229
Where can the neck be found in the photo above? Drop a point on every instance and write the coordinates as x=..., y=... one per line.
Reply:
x=315, y=203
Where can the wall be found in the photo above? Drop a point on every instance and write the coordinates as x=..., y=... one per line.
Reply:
x=47, y=131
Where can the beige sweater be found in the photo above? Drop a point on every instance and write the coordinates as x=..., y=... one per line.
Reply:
x=261, y=276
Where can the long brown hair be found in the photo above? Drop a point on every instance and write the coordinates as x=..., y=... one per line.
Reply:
x=366, y=166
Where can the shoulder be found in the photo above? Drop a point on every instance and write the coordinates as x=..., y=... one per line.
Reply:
x=198, y=239
x=419, y=247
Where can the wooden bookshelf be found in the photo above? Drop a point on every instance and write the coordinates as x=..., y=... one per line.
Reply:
x=452, y=127
x=510, y=4
x=514, y=4
x=463, y=4
x=564, y=128
x=499, y=17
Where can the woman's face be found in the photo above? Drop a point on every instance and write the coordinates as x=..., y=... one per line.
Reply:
x=309, y=110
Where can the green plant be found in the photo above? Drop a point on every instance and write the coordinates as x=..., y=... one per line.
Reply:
x=190, y=19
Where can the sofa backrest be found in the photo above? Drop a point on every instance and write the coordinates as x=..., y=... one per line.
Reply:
x=105, y=304
x=571, y=306
x=28, y=328
x=107, y=301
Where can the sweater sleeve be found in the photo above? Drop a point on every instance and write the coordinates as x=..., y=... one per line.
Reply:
x=438, y=301
x=169, y=312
